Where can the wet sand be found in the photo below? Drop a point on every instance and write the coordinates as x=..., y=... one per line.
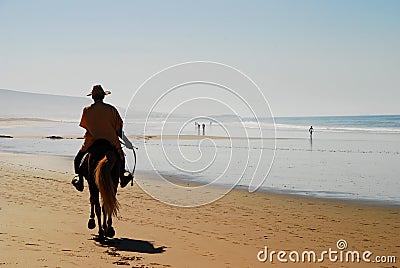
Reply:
x=43, y=224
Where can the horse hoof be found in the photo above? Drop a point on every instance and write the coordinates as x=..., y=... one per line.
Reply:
x=110, y=232
x=91, y=224
x=101, y=234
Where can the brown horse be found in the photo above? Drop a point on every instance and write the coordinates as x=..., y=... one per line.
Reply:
x=101, y=169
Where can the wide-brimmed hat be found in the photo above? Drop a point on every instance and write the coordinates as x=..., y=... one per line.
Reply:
x=98, y=90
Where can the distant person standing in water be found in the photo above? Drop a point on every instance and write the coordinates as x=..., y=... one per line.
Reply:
x=204, y=129
x=311, y=130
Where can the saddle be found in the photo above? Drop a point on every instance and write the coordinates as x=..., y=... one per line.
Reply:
x=97, y=151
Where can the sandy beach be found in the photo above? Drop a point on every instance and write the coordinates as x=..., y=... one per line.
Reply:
x=43, y=224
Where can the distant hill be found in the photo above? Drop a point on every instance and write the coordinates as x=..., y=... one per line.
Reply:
x=16, y=104
x=27, y=105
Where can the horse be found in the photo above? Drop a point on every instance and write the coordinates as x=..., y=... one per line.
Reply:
x=101, y=168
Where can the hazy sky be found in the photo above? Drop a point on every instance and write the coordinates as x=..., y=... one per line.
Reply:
x=308, y=57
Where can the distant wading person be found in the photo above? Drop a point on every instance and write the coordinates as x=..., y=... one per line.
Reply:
x=311, y=130
x=101, y=121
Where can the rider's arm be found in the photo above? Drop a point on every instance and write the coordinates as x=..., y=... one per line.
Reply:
x=126, y=141
x=118, y=124
x=82, y=123
x=119, y=133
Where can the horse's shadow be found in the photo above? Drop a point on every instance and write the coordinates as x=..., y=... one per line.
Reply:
x=130, y=245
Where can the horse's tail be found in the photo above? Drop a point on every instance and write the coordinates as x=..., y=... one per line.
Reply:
x=105, y=184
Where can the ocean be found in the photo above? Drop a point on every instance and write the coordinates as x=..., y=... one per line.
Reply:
x=348, y=157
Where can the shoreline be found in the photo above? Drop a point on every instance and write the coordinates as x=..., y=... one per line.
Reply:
x=148, y=137
x=182, y=180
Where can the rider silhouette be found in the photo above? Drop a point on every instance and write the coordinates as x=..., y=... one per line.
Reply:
x=101, y=121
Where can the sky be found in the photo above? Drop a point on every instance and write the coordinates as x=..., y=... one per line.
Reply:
x=308, y=58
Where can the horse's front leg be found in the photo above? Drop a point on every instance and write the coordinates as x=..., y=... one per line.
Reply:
x=91, y=222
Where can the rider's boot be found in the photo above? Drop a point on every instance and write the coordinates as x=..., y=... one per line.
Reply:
x=125, y=176
x=78, y=183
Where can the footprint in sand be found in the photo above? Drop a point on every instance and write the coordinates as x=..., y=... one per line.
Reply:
x=121, y=263
x=113, y=253
x=32, y=244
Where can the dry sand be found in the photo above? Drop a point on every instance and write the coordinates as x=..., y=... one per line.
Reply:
x=43, y=224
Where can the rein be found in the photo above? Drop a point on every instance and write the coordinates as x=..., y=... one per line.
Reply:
x=134, y=161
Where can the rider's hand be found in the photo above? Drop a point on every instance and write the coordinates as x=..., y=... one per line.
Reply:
x=127, y=142
x=129, y=145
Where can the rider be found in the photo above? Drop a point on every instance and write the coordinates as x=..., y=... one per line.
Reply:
x=101, y=121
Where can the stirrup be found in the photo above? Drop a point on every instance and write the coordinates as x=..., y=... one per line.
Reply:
x=125, y=179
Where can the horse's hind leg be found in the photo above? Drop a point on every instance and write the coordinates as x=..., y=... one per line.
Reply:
x=110, y=232
x=98, y=214
x=104, y=220
x=107, y=225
